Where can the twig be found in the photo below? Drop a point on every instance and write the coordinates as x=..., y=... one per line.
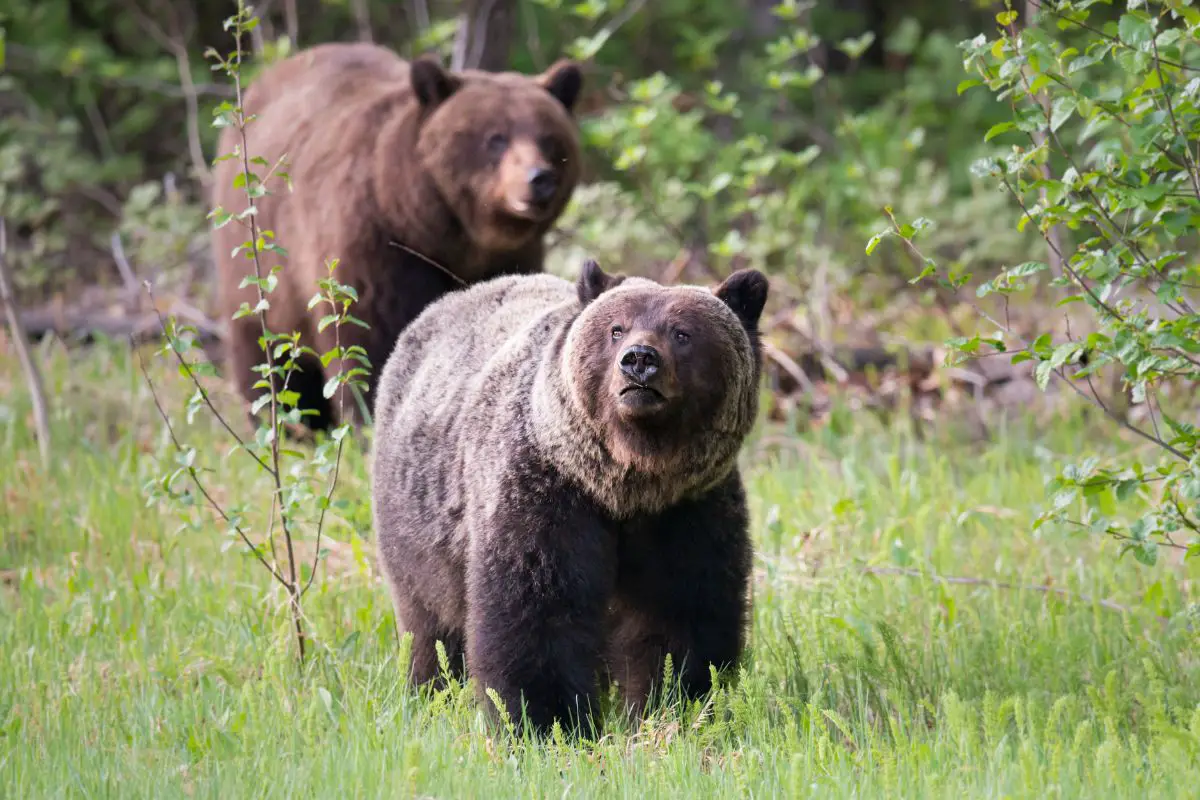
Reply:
x=445, y=270
x=996, y=584
x=337, y=464
x=196, y=478
x=1114, y=39
x=479, y=32
x=420, y=15
x=462, y=40
x=122, y=263
x=247, y=173
x=626, y=14
x=1039, y=138
x=789, y=366
x=37, y=396
x=199, y=386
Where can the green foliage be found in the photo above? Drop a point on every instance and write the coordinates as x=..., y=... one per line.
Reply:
x=774, y=167
x=291, y=475
x=1101, y=161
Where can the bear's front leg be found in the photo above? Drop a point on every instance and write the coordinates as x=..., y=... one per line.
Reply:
x=682, y=590
x=539, y=577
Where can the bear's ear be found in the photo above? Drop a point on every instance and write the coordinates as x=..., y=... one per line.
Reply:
x=745, y=291
x=432, y=84
x=564, y=80
x=594, y=281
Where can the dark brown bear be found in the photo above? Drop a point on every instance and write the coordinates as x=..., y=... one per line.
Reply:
x=468, y=169
x=555, y=484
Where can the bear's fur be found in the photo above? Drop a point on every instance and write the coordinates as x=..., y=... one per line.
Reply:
x=393, y=166
x=546, y=518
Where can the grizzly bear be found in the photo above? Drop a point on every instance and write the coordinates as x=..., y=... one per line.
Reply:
x=419, y=180
x=555, y=486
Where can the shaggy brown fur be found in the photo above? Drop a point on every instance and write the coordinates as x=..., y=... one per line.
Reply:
x=555, y=483
x=468, y=169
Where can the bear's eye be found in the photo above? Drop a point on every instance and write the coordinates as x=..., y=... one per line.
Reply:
x=617, y=333
x=683, y=337
x=496, y=143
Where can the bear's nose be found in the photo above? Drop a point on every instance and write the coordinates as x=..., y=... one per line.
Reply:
x=640, y=362
x=542, y=184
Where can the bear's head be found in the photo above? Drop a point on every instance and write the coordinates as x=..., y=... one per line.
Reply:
x=502, y=148
x=666, y=371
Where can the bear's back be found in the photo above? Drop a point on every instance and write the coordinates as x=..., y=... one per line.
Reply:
x=443, y=356
x=325, y=78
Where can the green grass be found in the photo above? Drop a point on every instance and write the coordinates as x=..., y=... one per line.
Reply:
x=140, y=659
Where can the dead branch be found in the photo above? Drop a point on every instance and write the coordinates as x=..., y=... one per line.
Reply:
x=33, y=378
x=84, y=324
x=789, y=366
x=619, y=20
x=362, y=18
x=1054, y=257
x=175, y=43
x=123, y=267
x=292, y=21
x=419, y=11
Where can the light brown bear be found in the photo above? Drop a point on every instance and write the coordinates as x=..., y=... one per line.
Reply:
x=393, y=166
x=555, y=490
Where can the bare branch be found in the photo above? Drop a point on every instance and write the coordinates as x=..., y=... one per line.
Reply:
x=118, y=251
x=176, y=44
x=292, y=21
x=615, y=24
x=33, y=378
x=789, y=366
x=419, y=11
x=1039, y=137
x=362, y=17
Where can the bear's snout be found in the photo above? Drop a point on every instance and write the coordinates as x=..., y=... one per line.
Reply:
x=543, y=183
x=640, y=363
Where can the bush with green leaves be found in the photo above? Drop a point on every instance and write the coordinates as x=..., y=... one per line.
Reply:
x=783, y=167
x=1100, y=157
x=299, y=484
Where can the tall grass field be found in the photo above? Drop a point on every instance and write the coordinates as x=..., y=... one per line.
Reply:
x=913, y=634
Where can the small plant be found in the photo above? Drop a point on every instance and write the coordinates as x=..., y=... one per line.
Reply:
x=1104, y=164
x=298, y=502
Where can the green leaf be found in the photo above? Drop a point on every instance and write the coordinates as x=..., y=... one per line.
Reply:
x=997, y=129
x=1146, y=553
x=1042, y=374
x=1061, y=111
x=1135, y=30
x=1007, y=18
x=967, y=84
x=1064, y=353
x=875, y=240
x=330, y=387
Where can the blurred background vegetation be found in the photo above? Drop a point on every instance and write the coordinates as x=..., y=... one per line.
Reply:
x=719, y=135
